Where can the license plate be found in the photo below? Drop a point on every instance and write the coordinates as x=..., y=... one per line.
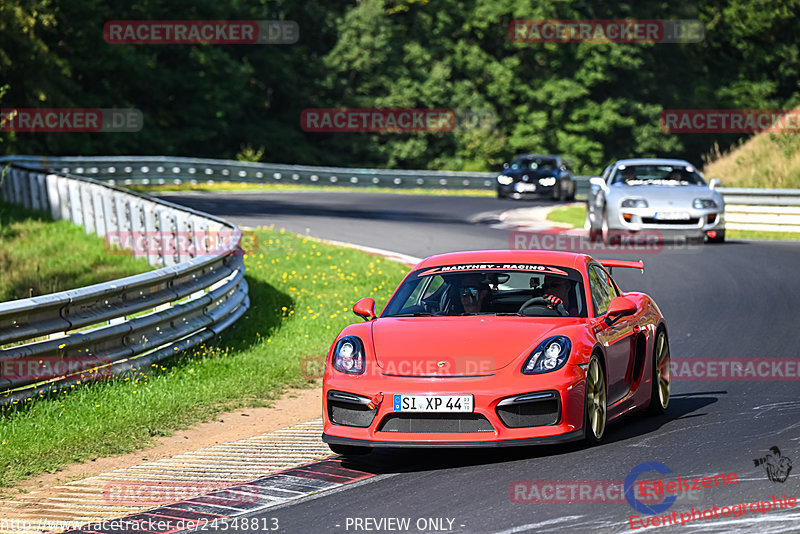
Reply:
x=433, y=403
x=524, y=188
x=672, y=216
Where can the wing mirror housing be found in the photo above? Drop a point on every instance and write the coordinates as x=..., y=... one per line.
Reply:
x=365, y=308
x=596, y=180
x=714, y=183
x=618, y=308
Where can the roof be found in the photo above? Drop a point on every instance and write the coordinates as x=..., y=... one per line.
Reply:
x=652, y=161
x=538, y=156
x=549, y=257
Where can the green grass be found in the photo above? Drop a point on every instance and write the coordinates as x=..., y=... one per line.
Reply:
x=40, y=256
x=757, y=234
x=770, y=160
x=237, y=186
x=301, y=294
x=575, y=215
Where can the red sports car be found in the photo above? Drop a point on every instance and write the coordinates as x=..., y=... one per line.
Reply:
x=496, y=348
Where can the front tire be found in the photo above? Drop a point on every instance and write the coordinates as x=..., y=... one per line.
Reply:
x=605, y=232
x=349, y=450
x=659, y=393
x=595, y=412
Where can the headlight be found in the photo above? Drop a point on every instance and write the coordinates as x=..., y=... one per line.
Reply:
x=704, y=203
x=504, y=180
x=547, y=182
x=634, y=203
x=348, y=356
x=549, y=355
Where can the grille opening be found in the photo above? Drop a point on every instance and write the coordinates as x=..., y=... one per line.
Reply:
x=435, y=422
x=527, y=414
x=666, y=222
x=348, y=414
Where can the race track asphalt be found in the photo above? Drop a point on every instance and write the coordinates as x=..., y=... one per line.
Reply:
x=737, y=300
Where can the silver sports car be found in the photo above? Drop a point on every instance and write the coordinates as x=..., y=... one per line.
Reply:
x=666, y=197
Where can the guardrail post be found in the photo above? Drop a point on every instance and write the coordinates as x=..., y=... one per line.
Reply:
x=15, y=178
x=62, y=184
x=154, y=256
x=5, y=183
x=200, y=237
x=108, y=209
x=168, y=237
x=53, y=200
x=36, y=200
x=75, y=203
x=99, y=210
x=185, y=239
x=88, y=209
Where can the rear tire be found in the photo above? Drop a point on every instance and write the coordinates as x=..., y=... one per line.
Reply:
x=660, y=390
x=595, y=411
x=349, y=450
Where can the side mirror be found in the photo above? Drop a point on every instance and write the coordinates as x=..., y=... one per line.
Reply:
x=596, y=180
x=505, y=165
x=365, y=308
x=619, y=307
x=714, y=183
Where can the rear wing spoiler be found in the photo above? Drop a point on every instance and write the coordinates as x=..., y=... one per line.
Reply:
x=610, y=264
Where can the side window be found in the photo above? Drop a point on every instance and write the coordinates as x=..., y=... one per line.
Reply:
x=424, y=290
x=434, y=286
x=602, y=289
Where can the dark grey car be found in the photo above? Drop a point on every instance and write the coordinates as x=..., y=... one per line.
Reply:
x=544, y=175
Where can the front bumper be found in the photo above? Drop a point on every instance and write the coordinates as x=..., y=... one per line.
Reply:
x=526, y=188
x=548, y=440
x=697, y=224
x=555, y=410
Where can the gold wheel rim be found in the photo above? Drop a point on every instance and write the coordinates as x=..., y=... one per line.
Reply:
x=596, y=399
x=662, y=367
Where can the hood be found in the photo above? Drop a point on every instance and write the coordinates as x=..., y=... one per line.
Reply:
x=679, y=196
x=533, y=174
x=455, y=346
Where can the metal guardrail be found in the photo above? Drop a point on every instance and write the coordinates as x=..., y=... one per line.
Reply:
x=159, y=170
x=754, y=209
x=197, y=291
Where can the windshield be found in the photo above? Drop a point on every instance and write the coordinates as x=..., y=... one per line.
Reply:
x=534, y=164
x=657, y=175
x=490, y=289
